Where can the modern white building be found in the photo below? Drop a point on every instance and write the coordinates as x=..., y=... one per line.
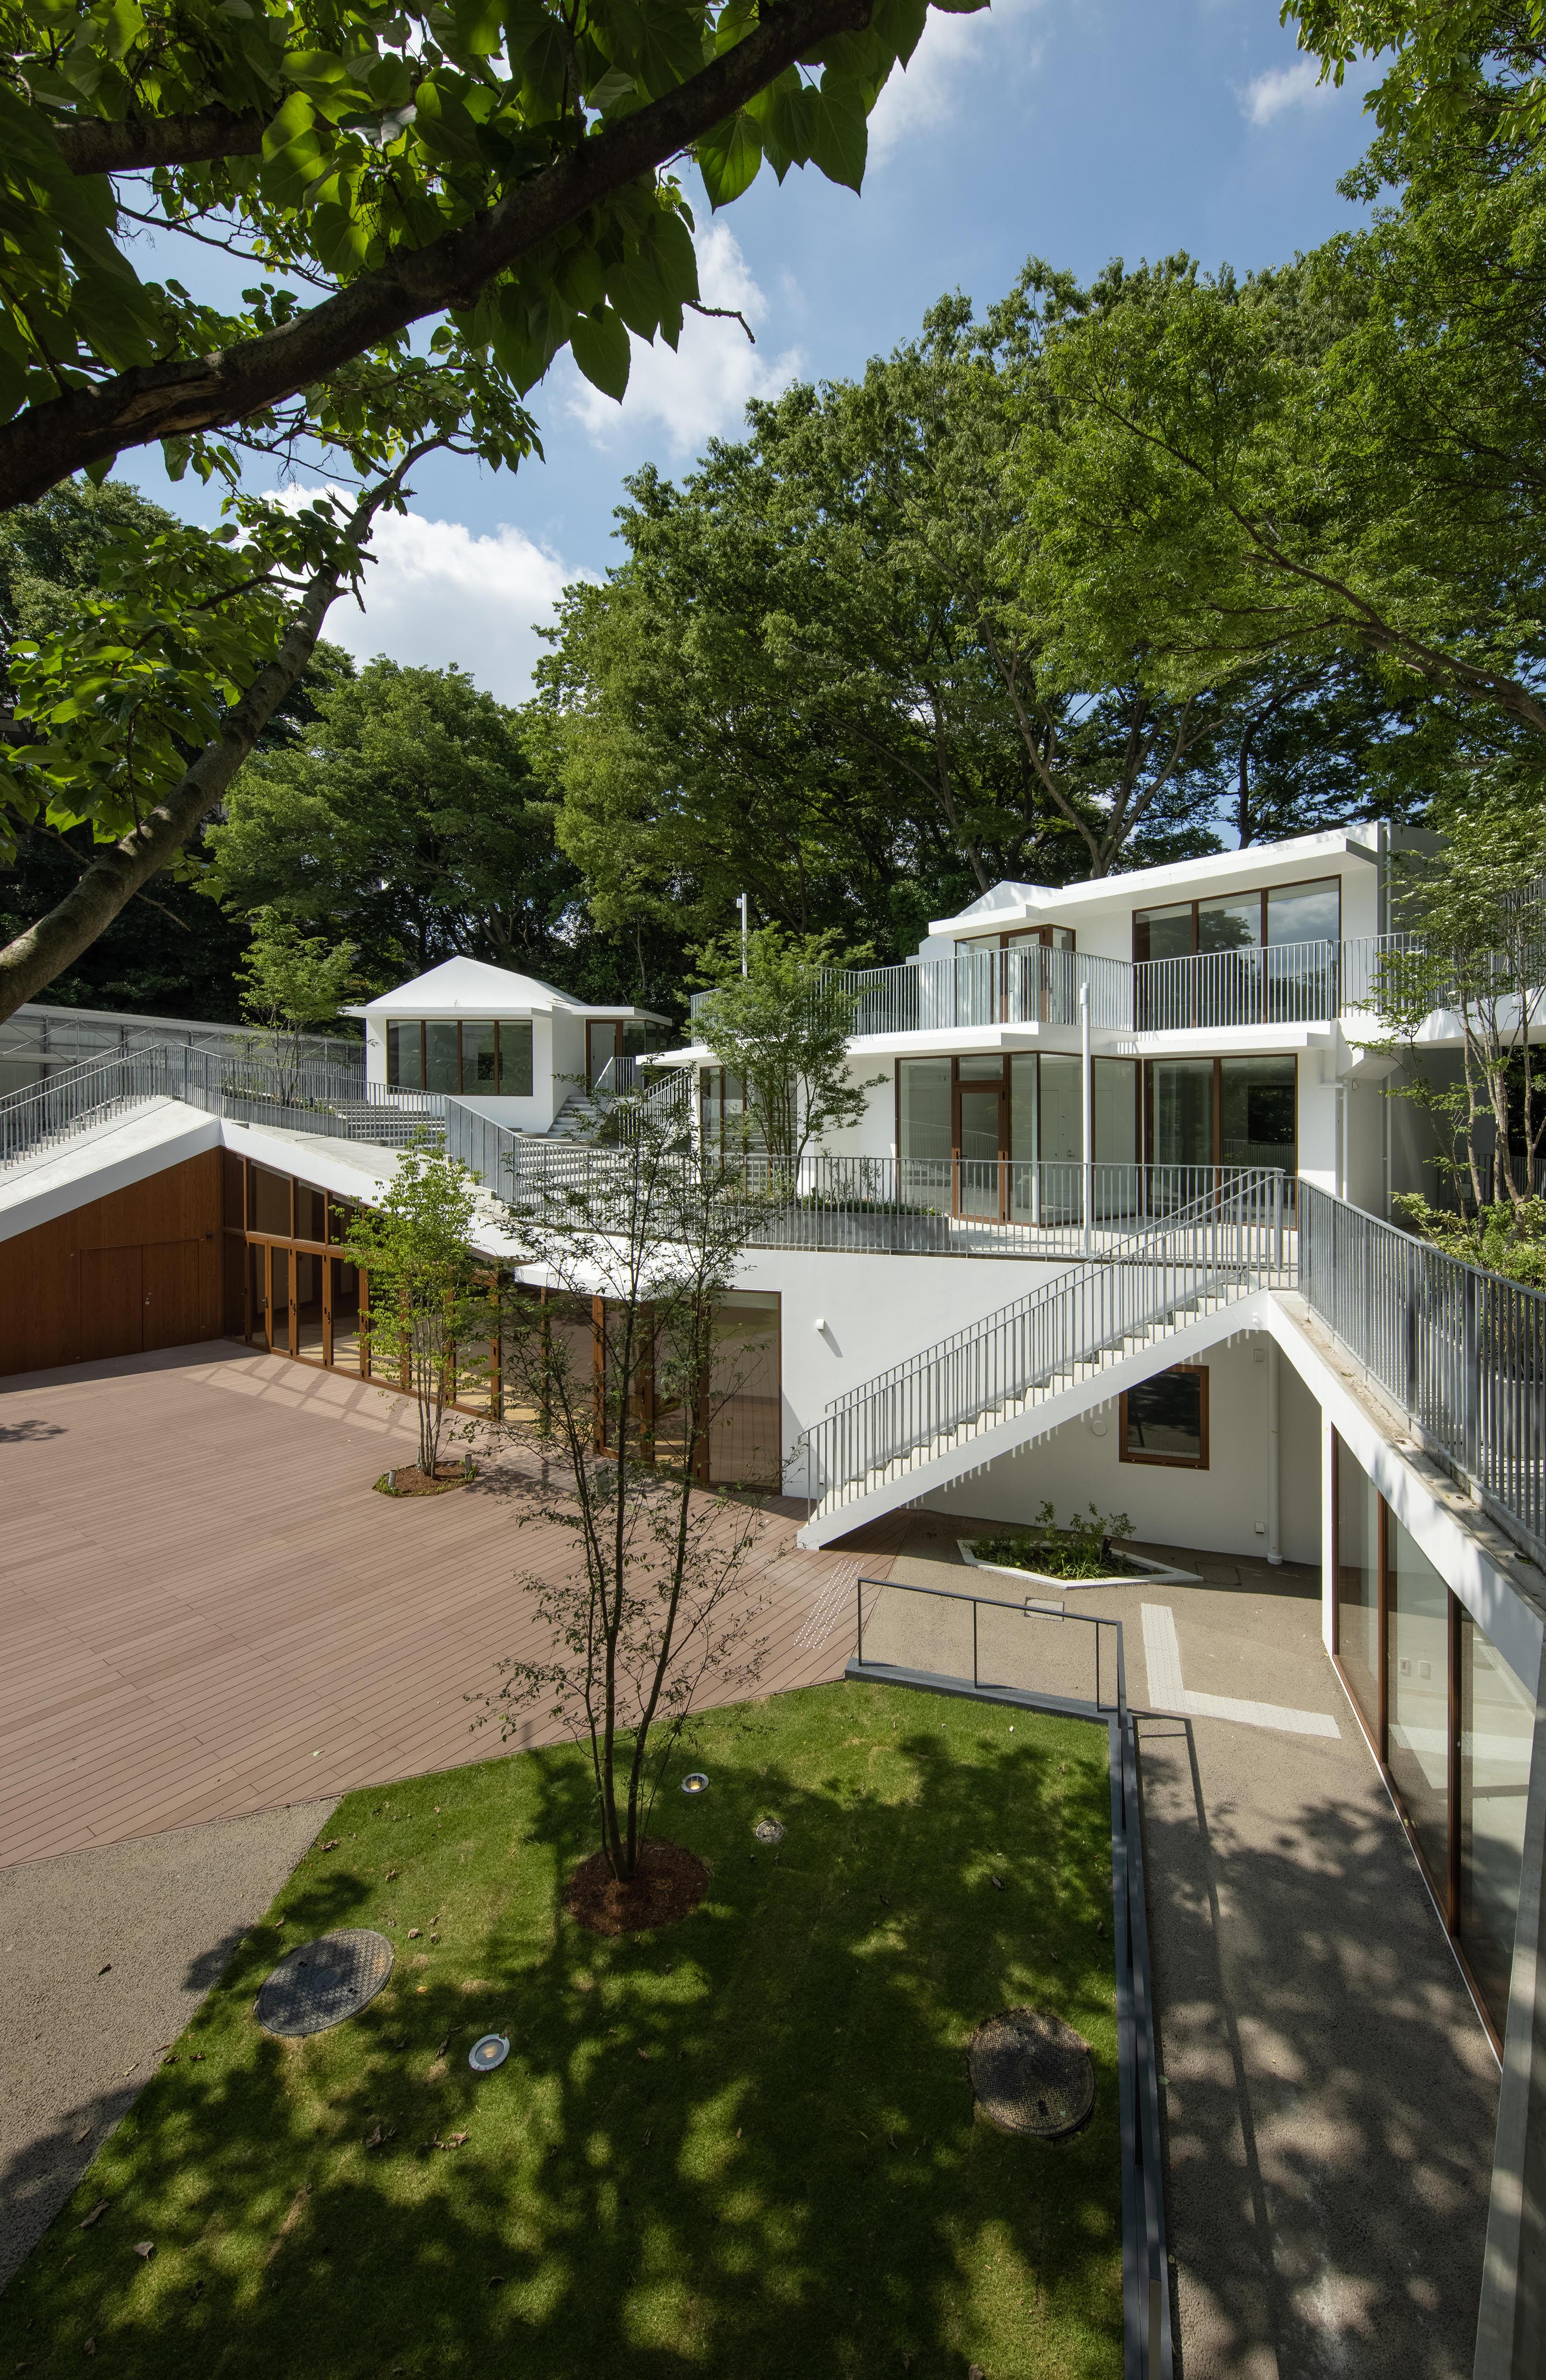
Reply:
x=511, y=1047
x=1113, y=1229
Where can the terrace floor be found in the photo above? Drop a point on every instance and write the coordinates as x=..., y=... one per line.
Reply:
x=205, y=1610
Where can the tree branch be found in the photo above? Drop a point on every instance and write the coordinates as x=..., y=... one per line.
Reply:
x=92, y=145
x=46, y=443
x=35, y=958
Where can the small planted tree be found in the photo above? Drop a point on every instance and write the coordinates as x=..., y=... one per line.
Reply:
x=1477, y=907
x=291, y=984
x=619, y=1370
x=783, y=1029
x=429, y=1309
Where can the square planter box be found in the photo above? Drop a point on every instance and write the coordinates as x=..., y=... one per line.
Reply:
x=1142, y=1574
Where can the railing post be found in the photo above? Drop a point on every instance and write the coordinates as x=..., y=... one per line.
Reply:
x=974, y=1640
x=1470, y=1373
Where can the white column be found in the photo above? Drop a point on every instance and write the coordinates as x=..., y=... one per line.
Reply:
x=1087, y=1107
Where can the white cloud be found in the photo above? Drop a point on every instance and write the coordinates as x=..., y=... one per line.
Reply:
x=927, y=95
x=1267, y=95
x=437, y=594
x=704, y=389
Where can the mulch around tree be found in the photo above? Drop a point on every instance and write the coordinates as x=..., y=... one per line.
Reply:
x=670, y=1884
x=409, y=1480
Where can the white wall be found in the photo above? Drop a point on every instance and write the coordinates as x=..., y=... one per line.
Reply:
x=1217, y=1510
x=376, y=1049
x=878, y=1310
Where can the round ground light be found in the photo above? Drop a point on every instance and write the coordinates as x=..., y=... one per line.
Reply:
x=324, y=1982
x=696, y=1782
x=768, y=1830
x=485, y=2055
x=1030, y=2072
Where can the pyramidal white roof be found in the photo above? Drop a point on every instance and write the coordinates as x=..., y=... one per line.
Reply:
x=472, y=988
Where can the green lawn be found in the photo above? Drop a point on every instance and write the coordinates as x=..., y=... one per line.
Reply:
x=743, y=2145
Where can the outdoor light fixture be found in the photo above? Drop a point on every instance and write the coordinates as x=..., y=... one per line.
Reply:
x=485, y=2055
x=696, y=1782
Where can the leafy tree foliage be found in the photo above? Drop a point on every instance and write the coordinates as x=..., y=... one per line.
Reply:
x=499, y=172
x=783, y=1026
x=847, y=666
x=409, y=818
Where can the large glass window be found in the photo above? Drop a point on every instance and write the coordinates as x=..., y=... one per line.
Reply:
x=472, y=1056
x=1357, y=1584
x=1256, y=1111
x=924, y=1102
x=1061, y=1110
x=1304, y=913
x=1114, y=1104
x=442, y=1072
x=1233, y=925
x=1497, y=1726
x=1162, y=933
x=1181, y=1110
x=1417, y=1691
x=405, y=1056
x=1164, y=1419
x=745, y=1438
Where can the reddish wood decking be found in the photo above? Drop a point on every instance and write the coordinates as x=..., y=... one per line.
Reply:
x=205, y=1610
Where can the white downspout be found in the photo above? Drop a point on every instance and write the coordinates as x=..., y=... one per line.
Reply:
x=1274, y=1442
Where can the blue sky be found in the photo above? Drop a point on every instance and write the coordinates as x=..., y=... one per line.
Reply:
x=1078, y=132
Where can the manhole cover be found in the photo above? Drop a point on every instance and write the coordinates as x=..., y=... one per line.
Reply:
x=768, y=1830
x=485, y=2055
x=324, y=1982
x=1030, y=2072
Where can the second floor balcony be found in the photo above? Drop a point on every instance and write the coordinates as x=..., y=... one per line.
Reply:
x=1279, y=983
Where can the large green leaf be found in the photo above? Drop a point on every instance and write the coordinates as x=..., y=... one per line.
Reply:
x=839, y=132
x=728, y=158
x=599, y=344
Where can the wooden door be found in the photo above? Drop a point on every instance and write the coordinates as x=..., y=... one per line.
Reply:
x=170, y=1276
x=112, y=1302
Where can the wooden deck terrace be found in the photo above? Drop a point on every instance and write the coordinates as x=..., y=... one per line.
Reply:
x=206, y=1609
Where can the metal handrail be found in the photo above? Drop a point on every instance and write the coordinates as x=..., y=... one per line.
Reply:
x=1028, y=1608
x=80, y=1096
x=946, y=1394
x=1460, y=1351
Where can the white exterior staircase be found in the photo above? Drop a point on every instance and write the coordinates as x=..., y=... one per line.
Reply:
x=1075, y=1342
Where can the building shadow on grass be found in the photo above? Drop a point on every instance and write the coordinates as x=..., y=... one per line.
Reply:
x=743, y=2145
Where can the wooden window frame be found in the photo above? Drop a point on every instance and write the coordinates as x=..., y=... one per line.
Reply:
x=1197, y=907
x=1169, y=1462
x=499, y=1091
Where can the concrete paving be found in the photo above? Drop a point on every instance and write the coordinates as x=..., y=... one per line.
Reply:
x=1330, y=2095
x=104, y=1955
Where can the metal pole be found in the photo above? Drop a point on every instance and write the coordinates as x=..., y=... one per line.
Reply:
x=746, y=931
x=1087, y=1118
x=1274, y=1421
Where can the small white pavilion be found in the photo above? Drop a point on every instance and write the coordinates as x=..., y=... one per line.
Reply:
x=510, y=1046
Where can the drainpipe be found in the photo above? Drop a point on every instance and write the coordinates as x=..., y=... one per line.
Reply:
x=1274, y=1440
x=1086, y=1115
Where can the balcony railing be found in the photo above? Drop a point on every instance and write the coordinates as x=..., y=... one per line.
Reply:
x=1461, y=1351
x=1276, y=983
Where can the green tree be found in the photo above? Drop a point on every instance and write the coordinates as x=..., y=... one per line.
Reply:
x=428, y=1309
x=656, y=1609
x=50, y=559
x=783, y=1026
x=1477, y=906
x=407, y=816
x=504, y=176
x=292, y=983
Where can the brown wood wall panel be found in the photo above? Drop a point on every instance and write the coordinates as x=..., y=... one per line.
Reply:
x=75, y=1289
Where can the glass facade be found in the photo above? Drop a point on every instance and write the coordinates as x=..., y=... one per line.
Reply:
x=1451, y=1723
x=1256, y=1111
x=1357, y=1587
x=1416, y=1691
x=1497, y=1728
x=441, y=1055
x=1180, y=1110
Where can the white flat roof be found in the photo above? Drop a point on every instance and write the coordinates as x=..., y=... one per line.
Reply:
x=1304, y=856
